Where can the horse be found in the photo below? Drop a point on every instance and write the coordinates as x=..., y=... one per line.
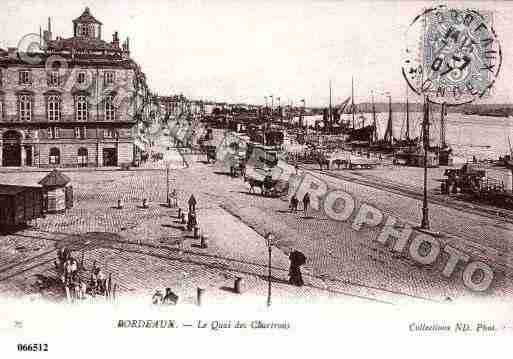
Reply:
x=254, y=183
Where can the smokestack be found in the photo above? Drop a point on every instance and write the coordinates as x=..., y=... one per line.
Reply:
x=49, y=28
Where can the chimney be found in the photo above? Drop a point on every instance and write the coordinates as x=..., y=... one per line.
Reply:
x=128, y=44
x=12, y=52
x=115, y=40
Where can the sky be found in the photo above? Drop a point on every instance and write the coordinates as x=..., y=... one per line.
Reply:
x=242, y=51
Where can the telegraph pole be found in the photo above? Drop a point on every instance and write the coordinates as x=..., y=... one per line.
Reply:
x=425, y=134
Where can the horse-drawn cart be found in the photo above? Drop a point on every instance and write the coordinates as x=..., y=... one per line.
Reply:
x=263, y=179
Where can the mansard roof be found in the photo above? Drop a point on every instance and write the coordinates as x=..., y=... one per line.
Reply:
x=81, y=43
x=86, y=18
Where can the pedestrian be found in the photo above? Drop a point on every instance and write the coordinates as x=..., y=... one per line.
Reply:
x=191, y=222
x=73, y=268
x=67, y=271
x=293, y=203
x=157, y=297
x=306, y=202
x=174, y=201
x=170, y=298
x=82, y=288
x=297, y=259
x=192, y=203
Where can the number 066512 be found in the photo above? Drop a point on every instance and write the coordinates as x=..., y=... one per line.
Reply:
x=32, y=347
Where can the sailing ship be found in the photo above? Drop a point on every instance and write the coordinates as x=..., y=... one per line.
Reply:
x=413, y=153
x=385, y=144
x=364, y=135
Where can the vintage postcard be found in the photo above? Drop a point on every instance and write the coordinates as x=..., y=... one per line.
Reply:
x=250, y=178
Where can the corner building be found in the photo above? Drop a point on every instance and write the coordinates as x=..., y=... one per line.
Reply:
x=78, y=102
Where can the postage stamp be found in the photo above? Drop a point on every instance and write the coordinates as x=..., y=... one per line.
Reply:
x=453, y=55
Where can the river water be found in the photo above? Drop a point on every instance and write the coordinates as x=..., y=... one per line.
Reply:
x=485, y=137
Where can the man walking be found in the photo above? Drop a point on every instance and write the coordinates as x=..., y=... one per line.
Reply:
x=297, y=259
x=192, y=204
x=306, y=202
x=293, y=203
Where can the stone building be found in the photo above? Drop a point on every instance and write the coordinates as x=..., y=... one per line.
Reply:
x=75, y=102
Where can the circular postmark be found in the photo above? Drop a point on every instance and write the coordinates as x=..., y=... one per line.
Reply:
x=452, y=56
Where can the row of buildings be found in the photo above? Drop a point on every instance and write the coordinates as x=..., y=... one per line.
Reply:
x=82, y=101
x=76, y=101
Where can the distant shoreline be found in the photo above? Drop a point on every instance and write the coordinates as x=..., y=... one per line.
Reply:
x=494, y=110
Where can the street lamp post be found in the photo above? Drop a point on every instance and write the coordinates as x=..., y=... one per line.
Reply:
x=269, y=242
x=167, y=186
x=425, y=132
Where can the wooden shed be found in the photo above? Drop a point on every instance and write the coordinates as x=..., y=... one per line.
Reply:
x=58, y=192
x=20, y=204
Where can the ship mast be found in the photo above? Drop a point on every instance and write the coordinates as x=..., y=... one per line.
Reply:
x=375, y=130
x=407, y=116
x=388, y=134
x=330, y=118
x=352, y=99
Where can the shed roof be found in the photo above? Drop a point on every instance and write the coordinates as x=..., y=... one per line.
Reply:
x=55, y=178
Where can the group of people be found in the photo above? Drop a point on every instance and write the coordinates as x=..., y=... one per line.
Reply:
x=69, y=273
x=153, y=156
x=294, y=202
x=169, y=298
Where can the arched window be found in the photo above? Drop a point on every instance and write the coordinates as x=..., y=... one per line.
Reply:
x=25, y=107
x=81, y=108
x=54, y=108
x=82, y=157
x=110, y=110
x=55, y=156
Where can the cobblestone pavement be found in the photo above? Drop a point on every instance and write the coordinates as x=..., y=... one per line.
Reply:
x=148, y=249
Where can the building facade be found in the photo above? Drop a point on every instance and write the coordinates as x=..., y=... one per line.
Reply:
x=175, y=106
x=77, y=102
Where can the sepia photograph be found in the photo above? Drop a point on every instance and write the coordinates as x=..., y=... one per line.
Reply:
x=208, y=177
